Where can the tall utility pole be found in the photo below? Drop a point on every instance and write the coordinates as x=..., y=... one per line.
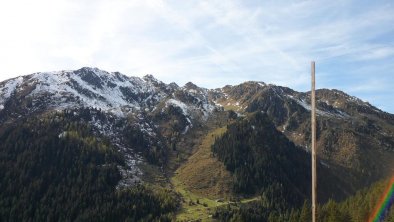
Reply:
x=313, y=120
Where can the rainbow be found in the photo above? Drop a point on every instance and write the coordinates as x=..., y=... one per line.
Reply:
x=384, y=203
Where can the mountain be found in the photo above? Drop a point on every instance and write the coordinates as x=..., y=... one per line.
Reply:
x=112, y=104
x=352, y=134
x=205, y=144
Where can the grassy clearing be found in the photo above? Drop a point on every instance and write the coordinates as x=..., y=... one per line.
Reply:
x=203, y=182
x=197, y=207
x=231, y=104
x=194, y=206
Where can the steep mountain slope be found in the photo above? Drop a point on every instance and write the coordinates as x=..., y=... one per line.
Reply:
x=355, y=139
x=162, y=131
x=203, y=174
x=261, y=157
x=55, y=169
x=142, y=117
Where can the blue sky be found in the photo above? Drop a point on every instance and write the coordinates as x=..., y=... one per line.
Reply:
x=209, y=42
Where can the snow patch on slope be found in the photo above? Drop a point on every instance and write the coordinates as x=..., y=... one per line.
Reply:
x=115, y=93
x=179, y=104
x=9, y=88
x=303, y=103
x=185, y=111
x=131, y=173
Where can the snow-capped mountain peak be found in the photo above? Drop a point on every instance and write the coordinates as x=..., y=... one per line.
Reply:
x=91, y=87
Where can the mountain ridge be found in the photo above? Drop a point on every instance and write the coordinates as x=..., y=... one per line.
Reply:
x=157, y=127
x=149, y=78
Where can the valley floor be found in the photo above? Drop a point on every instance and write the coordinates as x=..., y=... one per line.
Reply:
x=195, y=207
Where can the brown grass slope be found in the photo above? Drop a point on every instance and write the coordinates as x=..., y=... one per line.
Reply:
x=203, y=174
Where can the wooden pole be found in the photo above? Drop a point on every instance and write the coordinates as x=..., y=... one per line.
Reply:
x=313, y=120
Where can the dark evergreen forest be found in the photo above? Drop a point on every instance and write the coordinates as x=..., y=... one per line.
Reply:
x=264, y=161
x=55, y=169
x=357, y=208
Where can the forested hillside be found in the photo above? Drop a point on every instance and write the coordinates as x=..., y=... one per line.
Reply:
x=52, y=169
x=261, y=158
x=357, y=208
x=93, y=145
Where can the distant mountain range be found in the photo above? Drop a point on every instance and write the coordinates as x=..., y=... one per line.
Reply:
x=161, y=130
